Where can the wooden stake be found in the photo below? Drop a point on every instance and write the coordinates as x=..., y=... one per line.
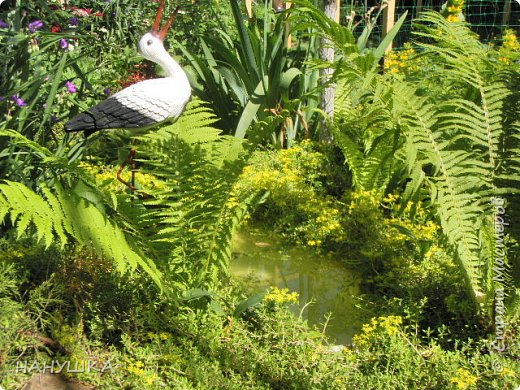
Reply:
x=388, y=19
x=249, y=8
x=507, y=13
x=288, y=27
x=418, y=7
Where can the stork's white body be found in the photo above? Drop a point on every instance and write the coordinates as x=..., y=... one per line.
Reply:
x=159, y=99
x=146, y=103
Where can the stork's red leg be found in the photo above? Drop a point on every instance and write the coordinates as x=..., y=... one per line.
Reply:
x=134, y=167
x=129, y=160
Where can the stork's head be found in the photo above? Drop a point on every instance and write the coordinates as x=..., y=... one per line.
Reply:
x=151, y=44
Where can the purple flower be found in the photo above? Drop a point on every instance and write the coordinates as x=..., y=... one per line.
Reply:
x=74, y=21
x=71, y=87
x=18, y=101
x=64, y=44
x=36, y=25
x=1, y=98
x=54, y=118
x=3, y=24
x=107, y=91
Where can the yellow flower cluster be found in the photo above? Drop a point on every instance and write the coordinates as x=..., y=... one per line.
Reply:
x=287, y=168
x=434, y=249
x=364, y=198
x=510, y=40
x=328, y=223
x=281, y=296
x=400, y=228
x=509, y=52
x=399, y=61
x=464, y=380
x=146, y=376
x=136, y=368
x=385, y=325
x=454, y=10
x=163, y=336
x=391, y=198
x=422, y=231
x=288, y=175
x=508, y=372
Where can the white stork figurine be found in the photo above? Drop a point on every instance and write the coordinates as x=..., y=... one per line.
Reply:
x=147, y=103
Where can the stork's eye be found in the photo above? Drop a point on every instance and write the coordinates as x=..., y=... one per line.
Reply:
x=149, y=42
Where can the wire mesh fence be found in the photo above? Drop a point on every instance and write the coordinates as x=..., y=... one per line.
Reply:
x=487, y=18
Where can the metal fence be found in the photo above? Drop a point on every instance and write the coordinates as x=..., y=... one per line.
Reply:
x=488, y=18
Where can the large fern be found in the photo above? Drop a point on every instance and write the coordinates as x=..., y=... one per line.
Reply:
x=180, y=233
x=194, y=217
x=63, y=213
x=450, y=130
x=368, y=131
x=457, y=142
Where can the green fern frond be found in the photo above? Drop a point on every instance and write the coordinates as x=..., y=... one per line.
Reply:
x=456, y=184
x=367, y=130
x=191, y=220
x=468, y=141
x=64, y=216
x=72, y=211
x=24, y=208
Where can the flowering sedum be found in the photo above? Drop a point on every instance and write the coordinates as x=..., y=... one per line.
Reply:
x=377, y=327
x=138, y=368
x=291, y=177
x=464, y=380
x=510, y=40
x=281, y=296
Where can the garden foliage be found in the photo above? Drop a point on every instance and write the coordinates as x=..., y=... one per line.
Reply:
x=255, y=75
x=90, y=270
x=453, y=143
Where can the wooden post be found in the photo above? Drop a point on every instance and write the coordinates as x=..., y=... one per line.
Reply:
x=249, y=8
x=288, y=27
x=418, y=7
x=507, y=13
x=388, y=19
x=331, y=10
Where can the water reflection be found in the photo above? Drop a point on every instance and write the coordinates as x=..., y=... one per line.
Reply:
x=260, y=261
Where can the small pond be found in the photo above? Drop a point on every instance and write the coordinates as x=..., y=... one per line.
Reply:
x=260, y=260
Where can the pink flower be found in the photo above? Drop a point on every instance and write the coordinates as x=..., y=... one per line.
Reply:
x=18, y=101
x=71, y=87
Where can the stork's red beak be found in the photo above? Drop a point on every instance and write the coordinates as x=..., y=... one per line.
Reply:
x=161, y=32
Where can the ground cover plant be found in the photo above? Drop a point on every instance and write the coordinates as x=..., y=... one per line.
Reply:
x=137, y=283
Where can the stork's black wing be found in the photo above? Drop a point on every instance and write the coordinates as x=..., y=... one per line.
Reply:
x=109, y=114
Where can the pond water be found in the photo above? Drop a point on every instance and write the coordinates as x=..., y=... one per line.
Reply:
x=260, y=260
